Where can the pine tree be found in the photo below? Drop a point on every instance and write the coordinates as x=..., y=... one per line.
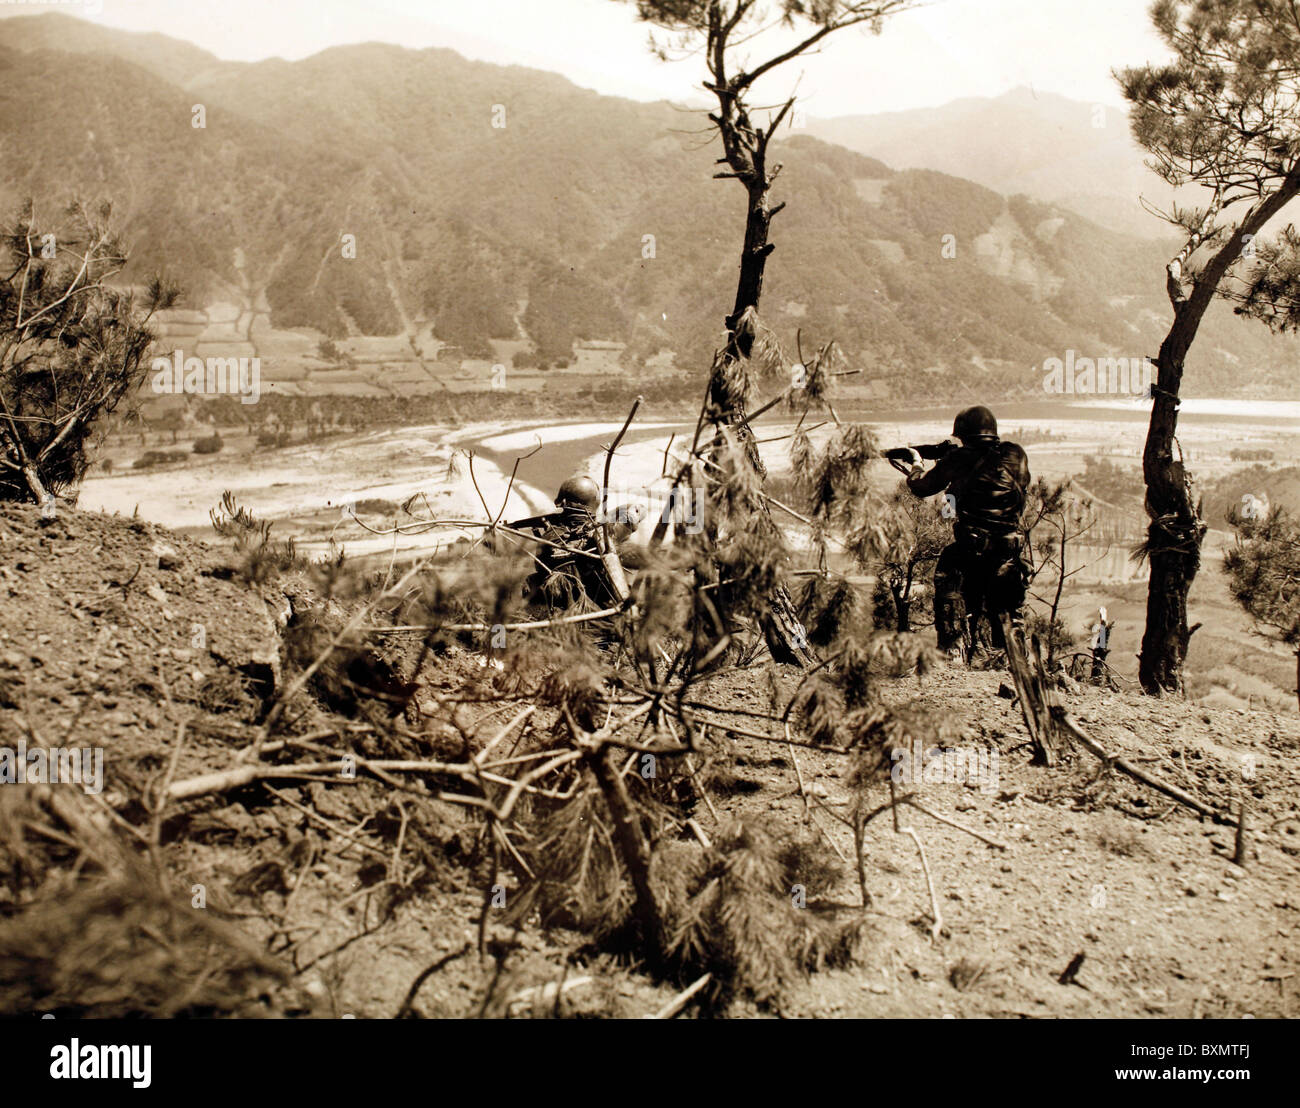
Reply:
x=1264, y=575
x=1220, y=115
x=72, y=346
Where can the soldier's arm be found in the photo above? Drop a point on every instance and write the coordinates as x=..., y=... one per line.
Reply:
x=939, y=478
x=1019, y=462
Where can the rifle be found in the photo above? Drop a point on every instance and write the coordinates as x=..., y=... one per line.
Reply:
x=900, y=457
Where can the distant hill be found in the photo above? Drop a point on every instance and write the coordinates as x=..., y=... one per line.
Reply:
x=1080, y=156
x=171, y=59
x=1277, y=486
x=539, y=229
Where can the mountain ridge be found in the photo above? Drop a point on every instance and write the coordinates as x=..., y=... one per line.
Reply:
x=1059, y=144
x=582, y=217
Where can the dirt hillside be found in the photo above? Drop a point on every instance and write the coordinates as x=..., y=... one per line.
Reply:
x=331, y=898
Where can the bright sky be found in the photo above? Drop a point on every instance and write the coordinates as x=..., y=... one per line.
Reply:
x=944, y=50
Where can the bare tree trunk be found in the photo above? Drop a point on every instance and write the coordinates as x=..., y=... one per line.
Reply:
x=902, y=593
x=1056, y=603
x=1032, y=693
x=753, y=263
x=1176, y=530
x=784, y=631
x=902, y=608
x=1100, y=651
x=35, y=484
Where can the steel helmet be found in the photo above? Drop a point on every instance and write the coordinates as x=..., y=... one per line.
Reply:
x=975, y=423
x=579, y=492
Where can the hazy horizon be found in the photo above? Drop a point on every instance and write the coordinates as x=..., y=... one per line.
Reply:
x=959, y=48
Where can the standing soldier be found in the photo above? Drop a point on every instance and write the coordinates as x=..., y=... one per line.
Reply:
x=982, y=571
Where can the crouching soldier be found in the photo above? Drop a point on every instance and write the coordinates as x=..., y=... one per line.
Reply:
x=572, y=565
x=983, y=570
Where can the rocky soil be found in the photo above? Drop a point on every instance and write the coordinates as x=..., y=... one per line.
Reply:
x=119, y=634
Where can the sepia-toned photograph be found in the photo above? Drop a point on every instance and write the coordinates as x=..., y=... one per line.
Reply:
x=671, y=509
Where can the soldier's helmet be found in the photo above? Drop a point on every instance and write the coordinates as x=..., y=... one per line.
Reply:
x=975, y=423
x=579, y=492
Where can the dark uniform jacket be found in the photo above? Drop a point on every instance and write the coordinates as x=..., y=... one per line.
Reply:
x=988, y=479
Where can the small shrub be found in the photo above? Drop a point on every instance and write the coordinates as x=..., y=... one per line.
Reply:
x=1055, y=637
x=74, y=345
x=252, y=538
x=151, y=458
x=377, y=507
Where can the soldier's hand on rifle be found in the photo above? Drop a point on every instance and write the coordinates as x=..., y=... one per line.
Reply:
x=905, y=459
